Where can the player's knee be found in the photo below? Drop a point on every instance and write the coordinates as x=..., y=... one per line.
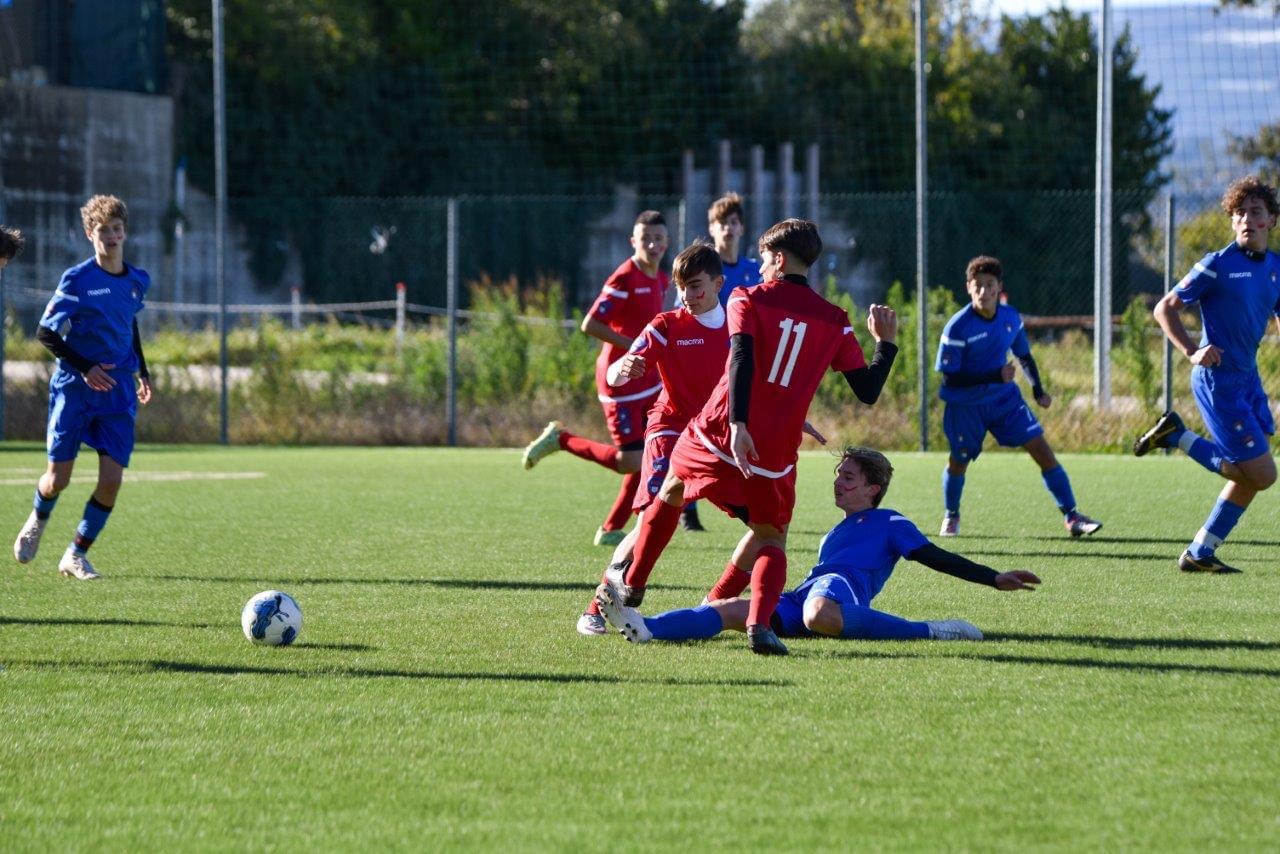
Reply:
x=672, y=491
x=54, y=482
x=822, y=616
x=1265, y=479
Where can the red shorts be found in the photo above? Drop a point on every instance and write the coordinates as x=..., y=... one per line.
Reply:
x=765, y=500
x=626, y=420
x=654, y=466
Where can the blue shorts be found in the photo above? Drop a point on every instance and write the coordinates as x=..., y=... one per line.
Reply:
x=788, y=617
x=1009, y=419
x=1236, y=411
x=100, y=419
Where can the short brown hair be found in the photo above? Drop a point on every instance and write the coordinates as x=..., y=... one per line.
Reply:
x=875, y=467
x=651, y=218
x=724, y=207
x=984, y=264
x=694, y=259
x=797, y=237
x=1250, y=187
x=11, y=241
x=100, y=209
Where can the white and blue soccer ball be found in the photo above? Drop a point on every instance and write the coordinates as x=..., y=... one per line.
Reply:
x=271, y=618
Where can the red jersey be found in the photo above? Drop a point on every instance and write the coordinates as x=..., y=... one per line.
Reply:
x=797, y=336
x=690, y=352
x=628, y=301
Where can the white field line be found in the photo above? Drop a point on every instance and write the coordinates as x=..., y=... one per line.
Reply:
x=151, y=476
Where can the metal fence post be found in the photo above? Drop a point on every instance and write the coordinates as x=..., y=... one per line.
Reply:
x=682, y=223
x=1170, y=239
x=1102, y=220
x=922, y=227
x=295, y=307
x=3, y=316
x=400, y=303
x=451, y=283
x=220, y=214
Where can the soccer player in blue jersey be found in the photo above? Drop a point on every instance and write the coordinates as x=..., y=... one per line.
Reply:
x=1238, y=289
x=724, y=223
x=90, y=325
x=981, y=396
x=855, y=559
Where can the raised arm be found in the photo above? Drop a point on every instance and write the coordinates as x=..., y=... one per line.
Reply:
x=867, y=382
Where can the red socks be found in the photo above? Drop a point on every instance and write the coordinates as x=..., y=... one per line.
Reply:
x=657, y=525
x=768, y=577
x=587, y=449
x=730, y=585
x=620, y=512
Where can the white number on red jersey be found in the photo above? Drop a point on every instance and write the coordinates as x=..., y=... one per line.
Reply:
x=788, y=326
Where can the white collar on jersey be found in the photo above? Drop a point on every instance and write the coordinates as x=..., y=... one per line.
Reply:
x=713, y=319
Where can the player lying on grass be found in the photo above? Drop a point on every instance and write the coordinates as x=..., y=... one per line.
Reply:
x=629, y=299
x=855, y=559
x=981, y=396
x=1238, y=289
x=92, y=398
x=740, y=451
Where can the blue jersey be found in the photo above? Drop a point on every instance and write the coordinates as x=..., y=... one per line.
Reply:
x=743, y=274
x=972, y=344
x=1237, y=296
x=97, y=309
x=863, y=549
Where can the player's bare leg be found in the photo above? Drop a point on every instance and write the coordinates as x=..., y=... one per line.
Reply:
x=55, y=479
x=1056, y=481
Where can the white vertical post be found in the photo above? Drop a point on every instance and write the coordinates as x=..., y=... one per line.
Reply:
x=451, y=285
x=179, y=232
x=786, y=178
x=686, y=191
x=811, y=182
x=1170, y=239
x=922, y=224
x=295, y=307
x=1102, y=221
x=220, y=213
x=757, y=208
x=682, y=223
x=724, y=161
x=400, y=305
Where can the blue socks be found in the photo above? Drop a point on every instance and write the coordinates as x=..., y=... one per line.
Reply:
x=869, y=624
x=686, y=624
x=1201, y=450
x=44, y=506
x=1059, y=486
x=95, y=519
x=1222, y=518
x=952, y=487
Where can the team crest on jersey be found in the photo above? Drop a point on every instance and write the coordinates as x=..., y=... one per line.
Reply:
x=1248, y=441
x=134, y=293
x=1239, y=425
x=1008, y=327
x=604, y=307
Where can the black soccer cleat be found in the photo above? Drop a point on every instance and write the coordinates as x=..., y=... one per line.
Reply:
x=689, y=518
x=765, y=642
x=1158, y=436
x=1187, y=563
x=615, y=576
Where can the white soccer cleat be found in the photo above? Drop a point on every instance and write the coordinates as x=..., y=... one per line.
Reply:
x=73, y=565
x=28, y=542
x=626, y=620
x=953, y=630
x=592, y=625
x=950, y=525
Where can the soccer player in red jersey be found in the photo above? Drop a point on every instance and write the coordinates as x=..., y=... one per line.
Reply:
x=740, y=451
x=688, y=347
x=627, y=302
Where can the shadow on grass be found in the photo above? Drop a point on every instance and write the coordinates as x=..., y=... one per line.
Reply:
x=585, y=585
x=1139, y=643
x=1173, y=541
x=94, y=621
x=162, y=666
x=341, y=647
x=1083, y=663
x=979, y=550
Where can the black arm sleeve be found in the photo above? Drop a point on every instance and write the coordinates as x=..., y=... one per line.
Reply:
x=53, y=342
x=1028, y=363
x=137, y=350
x=965, y=380
x=953, y=564
x=867, y=382
x=742, y=363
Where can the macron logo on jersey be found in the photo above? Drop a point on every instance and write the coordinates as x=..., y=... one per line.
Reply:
x=689, y=342
x=1245, y=275
x=98, y=292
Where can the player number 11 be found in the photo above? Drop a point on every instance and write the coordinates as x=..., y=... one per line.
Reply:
x=787, y=326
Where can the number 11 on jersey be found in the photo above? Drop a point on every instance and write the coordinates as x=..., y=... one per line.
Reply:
x=788, y=326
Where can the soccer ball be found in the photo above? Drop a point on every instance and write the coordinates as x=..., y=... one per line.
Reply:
x=271, y=618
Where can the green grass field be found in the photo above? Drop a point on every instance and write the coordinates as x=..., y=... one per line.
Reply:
x=439, y=696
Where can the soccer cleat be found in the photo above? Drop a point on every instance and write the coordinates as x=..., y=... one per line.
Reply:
x=75, y=565
x=764, y=641
x=950, y=525
x=591, y=625
x=625, y=619
x=1158, y=436
x=953, y=630
x=1078, y=524
x=547, y=443
x=615, y=577
x=28, y=542
x=609, y=538
x=689, y=518
x=1209, y=563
